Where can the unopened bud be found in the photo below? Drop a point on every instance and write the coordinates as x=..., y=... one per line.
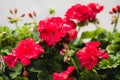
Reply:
x=65, y=46
x=25, y=73
x=22, y=15
x=114, y=10
x=63, y=51
x=9, y=17
x=4, y=33
x=15, y=10
x=110, y=12
x=118, y=8
x=11, y=11
x=66, y=59
x=30, y=15
x=34, y=13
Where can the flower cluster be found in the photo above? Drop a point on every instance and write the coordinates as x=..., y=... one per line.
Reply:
x=53, y=29
x=82, y=13
x=90, y=55
x=53, y=46
x=64, y=75
x=26, y=50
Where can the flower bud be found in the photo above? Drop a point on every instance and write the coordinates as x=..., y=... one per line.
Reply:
x=30, y=15
x=114, y=10
x=15, y=10
x=25, y=73
x=9, y=17
x=34, y=13
x=110, y=12
x=22, y=15
x=63, y=51
x=11, y=11
x=118, y=8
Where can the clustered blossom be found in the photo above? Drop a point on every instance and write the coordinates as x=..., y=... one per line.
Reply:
x=27, y=49
x=82, y=13
x=10, y=60
x=53, y=29
x=90, y=55
x=115, y=9
x=64, y=75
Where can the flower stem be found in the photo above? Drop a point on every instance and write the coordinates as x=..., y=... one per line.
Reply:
x=96, y=26
x=73, y=62
x=116, y=22
x=16, y=24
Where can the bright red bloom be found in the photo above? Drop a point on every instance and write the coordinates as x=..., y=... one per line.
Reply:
x=54, y=28
x=69, y=27
x=27, y=49
x=102, y=54
x=90, y=55
x=78, y=12
x=10, y=60
x=94, y=9
x=83, y=13
x=64, y=75
x=72, y=34
x=49, y=30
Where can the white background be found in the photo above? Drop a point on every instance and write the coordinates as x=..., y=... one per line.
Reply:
x=42, y=8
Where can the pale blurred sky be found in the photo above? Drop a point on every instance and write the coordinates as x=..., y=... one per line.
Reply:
x=42, y=8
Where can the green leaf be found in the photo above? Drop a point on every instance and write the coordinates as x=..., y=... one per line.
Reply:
x=4, y=29
x=4, y=78
x=116, y=37
x=16, y=71
x=112, y=62
x=113, y=48
x=44, y=76
x=20, y=78
x=92, y=34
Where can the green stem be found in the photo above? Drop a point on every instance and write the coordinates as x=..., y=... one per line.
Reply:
x=73, y=62
x=16, y=24
x=96, y=26
x=79, y=29
x=116, y=22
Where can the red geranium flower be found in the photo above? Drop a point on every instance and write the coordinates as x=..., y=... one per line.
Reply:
x=90, y=55
x=27, y=49
x=54, y=28
x=78, y=12
x=83, y=13
x=10, y=60
x=94, y=9
x=64, y=75
x=49, y=30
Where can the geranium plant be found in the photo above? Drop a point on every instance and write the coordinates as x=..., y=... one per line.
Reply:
x=52, y=50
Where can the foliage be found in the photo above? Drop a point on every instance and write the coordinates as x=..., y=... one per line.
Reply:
x=60, y=60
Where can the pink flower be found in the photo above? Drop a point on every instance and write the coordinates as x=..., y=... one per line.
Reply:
x=90, y=55
x=27, y=49
x=10, y=60
x=54, y=28
x=64, y=75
